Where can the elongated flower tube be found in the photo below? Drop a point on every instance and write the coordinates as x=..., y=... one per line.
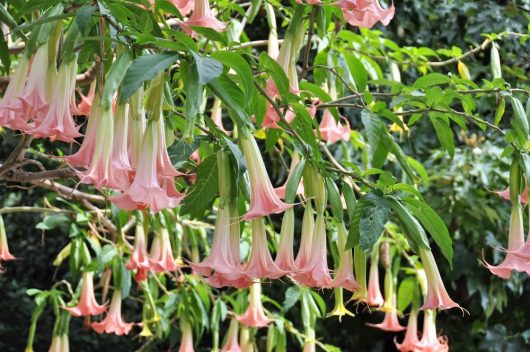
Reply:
x=186, y=341
x=374, y=297
x=136, y=127
x=344, y=276
x=429, y=339
x=359, y=258
x=411, y=341
x=162, y=259
x=263, y=199
x=285, y=256
x=13, y=91
x=163, y=164
x=202, y=16
x=113, y=322
x=332, y=131
x=254, y=316
x=60, y=343
x=244, y=340
x=83, y=157
x=260, y=264
x=58, y=122
x=139, y=260
x=390, y=322
x=146, y=190
x=121, y=167
x=310, y=340
x=217, y=115
x=232, y=340
x=87, y=301
x=437, y=297
x=100, y=172
x=306, y=241
x=366, y=13
x=316, y=271
x=34, y=98
x=5, y=255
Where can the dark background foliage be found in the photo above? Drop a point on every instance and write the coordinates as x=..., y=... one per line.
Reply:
x=460, y=190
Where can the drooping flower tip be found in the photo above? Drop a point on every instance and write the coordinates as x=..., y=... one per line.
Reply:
x=254, y=316
x=366, y=13
x=113, y=322
x=202, y=16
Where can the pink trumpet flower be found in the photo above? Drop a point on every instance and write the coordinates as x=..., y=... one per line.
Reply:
x=35, y=97
x=87, y=301
x=429, y=340
x=202, y=16
x=306, y=240
x=5, y=255
x=113, y=322
x=163, y=163
x=280, y=191
x=333, y=131
x=437, y=297
x=13, y=91
x=506, y=195
x=410, y=343
x=101, y=171
x=83, y=157
x=139, y=260
x=374, y=297
x=86, y=101
x=263, y=199
x=58, y=122
x=232, y=342
x=515, y=243
x=316, y=271
x=344, y=276
x=260, y=264
x=217, y=115
x=186, y=342
x=221, y=259
x=254, y=316
x=120, y=166
x=366, y=13
x=146, y=190
x=390, y=322
x=285, y=256
x=162, y=259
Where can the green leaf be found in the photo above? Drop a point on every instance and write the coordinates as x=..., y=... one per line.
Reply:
x=279, y=77
x=413, y=230
x=211, y=34
x=499, y=113
x=373, y=219
x=238, y=157
x=376, y=134
x=114, y=78
x=205, y=189
x=358, y=72
x=431, y=79
x=6, y=18
x=406, y=293
x=230, y=94
x=433, y=224
x=237, y=63
x=294, y=181
x=443, y=131
x=52, y=221
x=180, y=151
x=292, y=295
x=83, y=16
x=143, y=69
x=208, y=68
x=350, y=199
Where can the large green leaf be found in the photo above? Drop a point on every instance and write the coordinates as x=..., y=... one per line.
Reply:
x=237, y=63
x=204, y=190
x=369, y=218
x=431, y=79
x=433, y=224
x=443, y=130
x=207, y=68
x=142, y=69
x=358, y=72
